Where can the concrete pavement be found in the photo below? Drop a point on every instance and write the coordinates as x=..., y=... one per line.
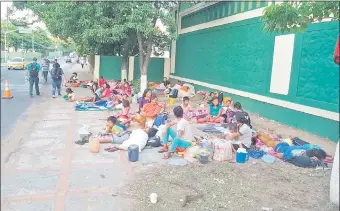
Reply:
x=13, y=109
x=42, y=169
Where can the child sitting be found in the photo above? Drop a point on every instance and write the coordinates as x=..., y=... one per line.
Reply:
x=238, y=109
x=70, y=95
x=113, y=133
x=227, y=112
x=214, y=113
x=101, y=81
x=123, y=115
x=186, y=108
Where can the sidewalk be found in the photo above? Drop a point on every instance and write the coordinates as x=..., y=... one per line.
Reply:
x=42, y=169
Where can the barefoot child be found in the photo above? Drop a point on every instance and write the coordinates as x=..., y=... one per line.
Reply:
x=186, y=108
x=123, y=115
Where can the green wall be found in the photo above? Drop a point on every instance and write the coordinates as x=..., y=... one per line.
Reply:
x=239, y=56
x=155, y=69
x=219, y=10
x=110, y=67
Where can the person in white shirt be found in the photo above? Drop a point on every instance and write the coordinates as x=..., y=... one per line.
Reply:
x=243, y=135
x=182, y=138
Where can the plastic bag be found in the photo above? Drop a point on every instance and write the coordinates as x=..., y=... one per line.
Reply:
x=223, y=151
x=84, y=131
x=191, y=153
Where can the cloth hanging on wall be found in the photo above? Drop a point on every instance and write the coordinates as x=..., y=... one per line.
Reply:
x=337, y=52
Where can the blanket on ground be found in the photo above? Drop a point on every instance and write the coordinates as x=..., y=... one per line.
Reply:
x=97, y=106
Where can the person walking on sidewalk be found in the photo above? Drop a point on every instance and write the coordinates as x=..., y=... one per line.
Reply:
x=45, y=68
x=82, y=62
x=32, y=75
x=57, y=75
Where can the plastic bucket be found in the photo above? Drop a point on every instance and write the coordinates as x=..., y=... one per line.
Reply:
x=171, y=101
x=133, y=153
x=241, y=157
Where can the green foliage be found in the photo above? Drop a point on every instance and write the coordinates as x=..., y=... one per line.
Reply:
x=16, y=40
x=295, y=16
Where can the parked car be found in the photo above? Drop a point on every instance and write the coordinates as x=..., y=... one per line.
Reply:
x=17, y=63
x=68, y=60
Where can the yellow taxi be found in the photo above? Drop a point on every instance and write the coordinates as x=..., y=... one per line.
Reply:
x=17, y=63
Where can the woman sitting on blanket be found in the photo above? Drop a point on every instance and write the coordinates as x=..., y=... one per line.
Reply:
x=126, y=89
x=182, y=138
x=144, y=99
x=106, y=91
x=149, y=112
x=97, y=93
x=214, y=113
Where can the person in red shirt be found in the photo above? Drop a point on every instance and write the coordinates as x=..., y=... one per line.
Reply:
x=101, y=81
x=127, y=89
x=106, y=91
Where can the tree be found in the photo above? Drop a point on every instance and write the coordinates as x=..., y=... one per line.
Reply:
x=295, y=16
x=109, y=28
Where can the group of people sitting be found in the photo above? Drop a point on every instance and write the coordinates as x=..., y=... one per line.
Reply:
x=219, y=111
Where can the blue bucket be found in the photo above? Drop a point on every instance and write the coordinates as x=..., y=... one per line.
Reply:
x=133, y=153
x=241, y=157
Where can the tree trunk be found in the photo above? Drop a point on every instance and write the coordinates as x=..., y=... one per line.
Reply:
x=91, y=62
x=124, y=73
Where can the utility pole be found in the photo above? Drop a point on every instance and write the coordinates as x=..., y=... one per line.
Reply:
x=6, y=34
x=32, y=42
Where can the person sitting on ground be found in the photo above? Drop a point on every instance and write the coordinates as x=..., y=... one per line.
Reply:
x=144, y=99
x=177, y=86
x=74, y=78
x=148, y=113
x=70, y=95
x=113, y=133
x=182, y=138
x=101, y=81
x=106, y=91
x=301, y=156
x=186, y=108
x=96, y=91
x=238, y=109
x=227, y=111
x=126, y=88
x=214, y=113
x=243, y=135
x=124, y=114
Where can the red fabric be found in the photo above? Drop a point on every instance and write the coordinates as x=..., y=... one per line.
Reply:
x=108, y=92
x=101, y=82
x=337, y=52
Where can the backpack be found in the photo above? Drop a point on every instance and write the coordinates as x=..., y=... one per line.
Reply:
x=173, y=93
x=56, y=74
x=33, y=71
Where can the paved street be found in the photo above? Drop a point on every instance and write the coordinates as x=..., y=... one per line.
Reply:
x=13, y=109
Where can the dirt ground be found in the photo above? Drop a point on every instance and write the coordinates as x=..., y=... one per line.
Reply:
x=231, y=186
x=216, y=186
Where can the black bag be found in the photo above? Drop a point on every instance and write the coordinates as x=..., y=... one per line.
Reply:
x=220, y=98
x=152, y=132
x=173, y=93
x=56, y=74
x=154, y=142
x=33, y=70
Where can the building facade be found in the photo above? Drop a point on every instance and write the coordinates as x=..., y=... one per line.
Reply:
x=289, y=78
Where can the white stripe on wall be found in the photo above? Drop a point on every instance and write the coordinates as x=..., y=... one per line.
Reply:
x=282, y=64
x=285, y=104
x=131, y=67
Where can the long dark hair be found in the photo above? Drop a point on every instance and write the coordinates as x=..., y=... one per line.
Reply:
x=146, y=91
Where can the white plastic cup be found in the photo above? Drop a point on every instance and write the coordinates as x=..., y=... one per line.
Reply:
x=153, y=198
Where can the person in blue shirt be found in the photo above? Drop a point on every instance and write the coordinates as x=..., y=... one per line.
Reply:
x=214, y=113
x=32, y=75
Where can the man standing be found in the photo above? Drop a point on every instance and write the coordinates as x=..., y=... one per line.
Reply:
x=32, y=75
x=45, y=69
x=57, y=75
x=82, y=62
